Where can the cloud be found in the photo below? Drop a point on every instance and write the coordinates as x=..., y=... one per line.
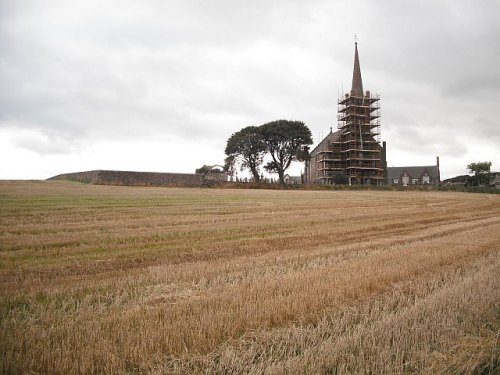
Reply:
x=86, y=73
x=42, y=143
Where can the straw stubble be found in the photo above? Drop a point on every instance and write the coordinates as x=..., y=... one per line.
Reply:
x=101, y=279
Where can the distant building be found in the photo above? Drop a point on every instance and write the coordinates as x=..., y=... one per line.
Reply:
x=354, y=150
x=292, y=180
x=496, y=181
x=414, y=175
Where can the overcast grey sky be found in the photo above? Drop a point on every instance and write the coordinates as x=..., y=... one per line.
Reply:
x=161, y=85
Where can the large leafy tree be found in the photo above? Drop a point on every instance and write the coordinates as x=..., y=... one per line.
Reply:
x=286, y=141
x=246, y=148
x=481, y=172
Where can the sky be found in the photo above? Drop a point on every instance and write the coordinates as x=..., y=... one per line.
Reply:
x=161, y=85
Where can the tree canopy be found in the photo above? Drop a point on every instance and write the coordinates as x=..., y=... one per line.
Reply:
x=286, y=141
x=206, y=169
x=481, y=172
x=246, y=148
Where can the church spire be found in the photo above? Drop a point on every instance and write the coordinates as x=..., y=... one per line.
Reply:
x=357, y=83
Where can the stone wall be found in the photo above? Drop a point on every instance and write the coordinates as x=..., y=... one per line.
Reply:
x=103, y=177
x=87, y=177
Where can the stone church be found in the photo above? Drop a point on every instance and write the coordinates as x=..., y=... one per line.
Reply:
x=352, y=154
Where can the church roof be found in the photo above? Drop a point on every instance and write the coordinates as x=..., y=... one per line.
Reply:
x=357, y=82
x=323, y=145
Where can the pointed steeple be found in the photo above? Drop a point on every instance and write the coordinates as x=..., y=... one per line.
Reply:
x=357, y=83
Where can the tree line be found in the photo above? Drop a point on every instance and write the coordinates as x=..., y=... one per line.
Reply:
x=284, y=141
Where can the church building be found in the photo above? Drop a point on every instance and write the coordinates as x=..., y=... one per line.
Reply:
x=353, y=154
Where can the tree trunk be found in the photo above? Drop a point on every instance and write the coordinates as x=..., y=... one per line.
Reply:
x=256, y=176
x=281, y=175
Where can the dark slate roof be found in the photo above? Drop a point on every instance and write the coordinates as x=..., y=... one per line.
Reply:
x=414, y=172
x=323, y=145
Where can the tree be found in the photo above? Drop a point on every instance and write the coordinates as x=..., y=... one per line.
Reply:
x=247, y=148
x=286, y=141
x=203, y=170
x=206, y=169
x=340, y=179
x=481, y=172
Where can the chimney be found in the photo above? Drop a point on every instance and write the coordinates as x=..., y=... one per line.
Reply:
x=439, y=172
x=384, y=160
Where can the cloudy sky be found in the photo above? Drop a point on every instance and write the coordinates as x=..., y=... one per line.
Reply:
x=160, y=85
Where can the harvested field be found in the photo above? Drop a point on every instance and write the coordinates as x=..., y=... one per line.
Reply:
x=106, y=279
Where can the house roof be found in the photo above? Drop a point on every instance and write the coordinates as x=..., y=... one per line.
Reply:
x=415, y=171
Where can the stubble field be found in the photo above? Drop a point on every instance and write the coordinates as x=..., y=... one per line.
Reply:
x=102, y=279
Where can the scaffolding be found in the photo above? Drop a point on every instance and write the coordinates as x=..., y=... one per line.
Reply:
x=359, y=153
x=354, y=151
